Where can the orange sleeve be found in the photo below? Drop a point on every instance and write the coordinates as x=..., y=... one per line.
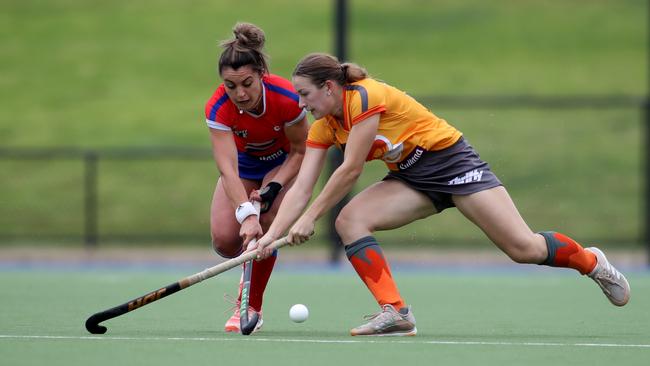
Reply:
x=320, y=135
x=317, y=145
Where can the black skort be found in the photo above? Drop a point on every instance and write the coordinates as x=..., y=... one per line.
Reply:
x=456, y=170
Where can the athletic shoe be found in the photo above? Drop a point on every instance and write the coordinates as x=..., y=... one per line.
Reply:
x=387, y=322
x=611, y=281
x=233, y=323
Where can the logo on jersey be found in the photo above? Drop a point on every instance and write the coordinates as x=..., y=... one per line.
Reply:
x=469, y=177
x=277, y=128
x=383, y=149
x=241, y=133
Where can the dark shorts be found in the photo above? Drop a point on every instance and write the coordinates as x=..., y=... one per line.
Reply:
x=456, y=170
x=256, y=167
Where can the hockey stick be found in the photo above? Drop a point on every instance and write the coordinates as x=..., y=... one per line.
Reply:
x=92, y=323
x=246, y=326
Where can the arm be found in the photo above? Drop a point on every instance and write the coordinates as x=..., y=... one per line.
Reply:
x=224, y=151
x=296, y=134
x=298, y=196
x=338, y=185
x=295, y=200
x=362, y=136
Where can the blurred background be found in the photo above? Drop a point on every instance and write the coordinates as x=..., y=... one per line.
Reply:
x=103, y=141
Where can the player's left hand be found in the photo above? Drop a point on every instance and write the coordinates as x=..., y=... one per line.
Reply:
x=301, y=231
x=266, y=195
x=261, y=246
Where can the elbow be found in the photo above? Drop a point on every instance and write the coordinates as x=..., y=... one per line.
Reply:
x=225, y=174
x=303, y=192
x=356, y=173
x=351, y=172
x=299, y=192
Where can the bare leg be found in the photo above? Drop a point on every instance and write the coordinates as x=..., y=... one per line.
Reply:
x=224, y=227
x=494, y=212
x=384, y=205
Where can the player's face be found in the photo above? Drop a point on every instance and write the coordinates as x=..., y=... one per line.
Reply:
x=313, y=98
x=243, y=86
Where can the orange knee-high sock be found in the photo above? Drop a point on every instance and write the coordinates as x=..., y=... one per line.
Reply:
x=260, y=275
x=565, y=252
x=368, y=260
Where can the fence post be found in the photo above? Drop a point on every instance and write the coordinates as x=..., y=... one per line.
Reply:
x=646, y=150
x=90, y=199
x=336, y=156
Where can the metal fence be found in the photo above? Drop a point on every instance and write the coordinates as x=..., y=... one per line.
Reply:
x=91, y=158
x=577, y=102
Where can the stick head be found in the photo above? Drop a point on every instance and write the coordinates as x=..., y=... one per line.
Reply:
x=246, y=324
x=92, y=326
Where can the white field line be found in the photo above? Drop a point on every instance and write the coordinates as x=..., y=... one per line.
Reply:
x=382, y=340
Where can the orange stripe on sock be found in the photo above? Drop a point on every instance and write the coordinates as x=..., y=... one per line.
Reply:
x=374, y=271
x=572, y=255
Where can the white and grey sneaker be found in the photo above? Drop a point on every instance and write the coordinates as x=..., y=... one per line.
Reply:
x=610, y=280
x=387, y=322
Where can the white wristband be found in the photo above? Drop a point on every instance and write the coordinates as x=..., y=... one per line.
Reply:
x=244, y=210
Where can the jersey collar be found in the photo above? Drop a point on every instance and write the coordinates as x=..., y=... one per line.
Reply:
x=263, y=103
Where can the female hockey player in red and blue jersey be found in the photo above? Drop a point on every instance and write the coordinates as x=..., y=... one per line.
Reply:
x=258, y=135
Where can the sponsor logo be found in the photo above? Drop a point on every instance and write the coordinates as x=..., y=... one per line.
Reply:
x=411, y=159
x=277, y=128
x=144, y=300
x=273, y=156
x=469, y=177
x=244, y=295
x=241, y=133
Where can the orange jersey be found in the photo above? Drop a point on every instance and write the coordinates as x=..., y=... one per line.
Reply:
x=404, y=124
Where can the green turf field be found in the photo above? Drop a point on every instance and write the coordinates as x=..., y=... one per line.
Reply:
x=506, y=316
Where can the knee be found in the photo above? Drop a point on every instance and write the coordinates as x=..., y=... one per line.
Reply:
x=527, y=250
x=349, y=221
x=226, y=246
x=343, y=222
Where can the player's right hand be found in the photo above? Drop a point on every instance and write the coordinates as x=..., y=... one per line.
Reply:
x=250, y=229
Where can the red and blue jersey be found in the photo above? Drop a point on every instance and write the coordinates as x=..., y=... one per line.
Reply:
x=259, y=136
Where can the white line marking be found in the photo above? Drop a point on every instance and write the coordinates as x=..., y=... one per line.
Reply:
x=335, y=341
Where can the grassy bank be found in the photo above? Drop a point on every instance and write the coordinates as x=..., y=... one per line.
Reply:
x=94, y=74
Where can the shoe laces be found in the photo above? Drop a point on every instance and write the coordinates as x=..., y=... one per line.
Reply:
x=383, y=317
x=234, y=302
x=609, y=275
